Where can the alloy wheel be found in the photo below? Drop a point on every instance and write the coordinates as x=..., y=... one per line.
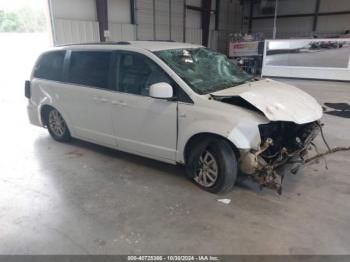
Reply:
x=56, y=123
x=207, y=171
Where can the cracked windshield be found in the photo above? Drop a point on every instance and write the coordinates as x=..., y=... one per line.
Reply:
x=204, y=70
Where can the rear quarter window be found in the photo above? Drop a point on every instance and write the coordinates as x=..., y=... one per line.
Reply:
x=50, y=66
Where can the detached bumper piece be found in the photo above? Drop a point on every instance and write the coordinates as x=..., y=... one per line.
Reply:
x=283, y=149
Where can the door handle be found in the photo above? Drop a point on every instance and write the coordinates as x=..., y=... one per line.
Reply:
x=118, y=103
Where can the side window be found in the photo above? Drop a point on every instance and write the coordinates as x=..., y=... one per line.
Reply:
x=137, y=73
x=50, y=66
x=90, y=68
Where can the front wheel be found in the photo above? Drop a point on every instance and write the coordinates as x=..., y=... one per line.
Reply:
x=212, y=165
x=57, y=127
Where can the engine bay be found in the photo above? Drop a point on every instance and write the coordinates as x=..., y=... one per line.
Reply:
x=282, y=143
x=287, y=138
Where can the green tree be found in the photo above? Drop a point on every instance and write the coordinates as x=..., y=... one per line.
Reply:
x=22, y=20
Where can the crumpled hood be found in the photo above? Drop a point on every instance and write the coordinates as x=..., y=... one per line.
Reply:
x=278, y=101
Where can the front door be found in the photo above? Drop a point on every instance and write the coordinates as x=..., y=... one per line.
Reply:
x=143, y=125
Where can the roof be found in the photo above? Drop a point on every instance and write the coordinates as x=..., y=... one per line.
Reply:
x=147, y=45
x=159, y=45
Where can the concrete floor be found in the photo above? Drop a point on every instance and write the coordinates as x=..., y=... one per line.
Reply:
x=80, y=198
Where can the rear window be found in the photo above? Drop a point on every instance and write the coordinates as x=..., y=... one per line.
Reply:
x=90, y=68
x=50, y=66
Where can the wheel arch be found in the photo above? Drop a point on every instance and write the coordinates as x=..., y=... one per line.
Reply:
x=43, y=110
x=205, y=135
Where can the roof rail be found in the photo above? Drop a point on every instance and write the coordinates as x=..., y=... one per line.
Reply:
x=97, y=43
x=161, y=41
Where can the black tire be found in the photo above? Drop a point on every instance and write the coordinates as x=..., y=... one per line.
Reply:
x=226, y=164
x=64, y=134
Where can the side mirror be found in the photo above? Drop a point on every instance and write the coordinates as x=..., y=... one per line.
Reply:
x=161, y=90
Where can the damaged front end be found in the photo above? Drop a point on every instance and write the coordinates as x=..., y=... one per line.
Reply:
x=283, y=144
x=293, y=117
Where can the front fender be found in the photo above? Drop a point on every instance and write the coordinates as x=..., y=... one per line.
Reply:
x=244, y=136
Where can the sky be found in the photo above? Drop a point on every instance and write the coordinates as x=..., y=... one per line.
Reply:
x=15, y=4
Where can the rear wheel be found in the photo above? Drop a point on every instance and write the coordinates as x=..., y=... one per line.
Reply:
x=56, y=125
x=212, y=165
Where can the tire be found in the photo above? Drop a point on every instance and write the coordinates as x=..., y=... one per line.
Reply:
x=57, y=126
x=201, y=168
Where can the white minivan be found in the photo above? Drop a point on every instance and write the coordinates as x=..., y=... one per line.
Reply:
x=174, y=102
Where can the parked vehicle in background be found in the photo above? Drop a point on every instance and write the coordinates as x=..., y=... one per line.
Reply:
x=174, y=102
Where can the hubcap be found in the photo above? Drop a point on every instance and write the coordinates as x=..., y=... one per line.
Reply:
x=57, y=124
x=207, y=171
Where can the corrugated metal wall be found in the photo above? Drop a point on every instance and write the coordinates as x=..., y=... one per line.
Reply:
x=302, y=26
x=177, y=20
x=73, y=31
x=193, y=23
x=73, y=24
x=119, y=21
x=121, y=32
x=164, y=20
x=75, y=21
x=145, y=20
